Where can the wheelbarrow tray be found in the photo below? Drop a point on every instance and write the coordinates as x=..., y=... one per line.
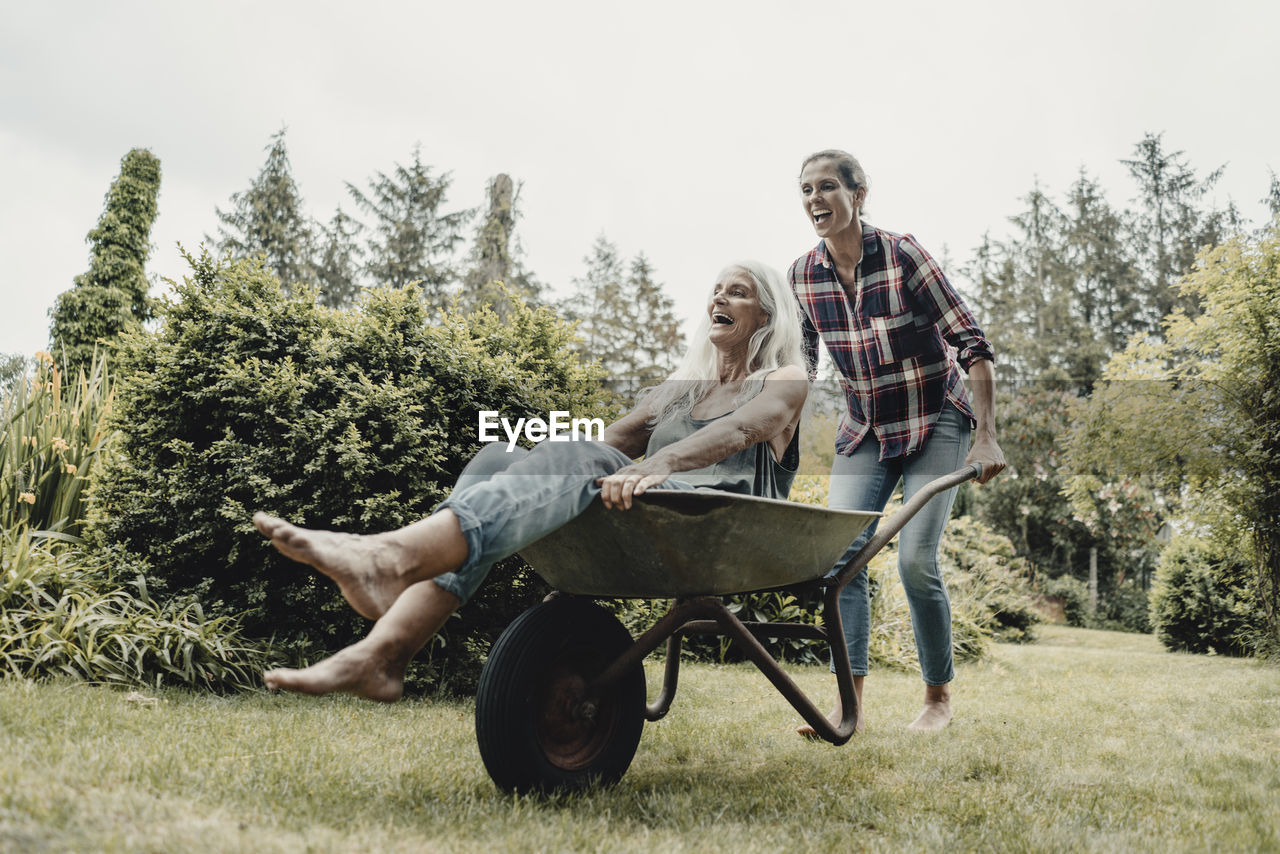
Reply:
x=677, y=542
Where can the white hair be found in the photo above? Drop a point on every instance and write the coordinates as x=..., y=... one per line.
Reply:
x=774, y=345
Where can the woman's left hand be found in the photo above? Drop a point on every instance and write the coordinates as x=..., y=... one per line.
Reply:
x=617, y=489
x=986, y=453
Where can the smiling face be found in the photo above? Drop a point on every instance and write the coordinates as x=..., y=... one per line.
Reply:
x=735, y=309
x=832, y=207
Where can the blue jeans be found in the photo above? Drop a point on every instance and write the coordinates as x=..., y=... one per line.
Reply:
x=862, y=482
x=505, y=500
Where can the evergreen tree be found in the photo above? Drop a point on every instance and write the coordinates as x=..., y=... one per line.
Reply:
x=625, y=320
x=1272, y=199
x=1105, y=299
x=111, y=296
x=656, y=341
x=267, y=220
x=1026, y=296
x=596, y=306
x=338, y=262
x=495, y=255
x=1170, y=227
x=411, y=239
x=12, y=366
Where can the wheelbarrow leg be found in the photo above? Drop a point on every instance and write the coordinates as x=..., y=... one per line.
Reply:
x=658, y=709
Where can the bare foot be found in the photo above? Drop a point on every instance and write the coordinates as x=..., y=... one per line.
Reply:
x=362, y=669
x=936, y=713
x=837, y=714
x=367, y=569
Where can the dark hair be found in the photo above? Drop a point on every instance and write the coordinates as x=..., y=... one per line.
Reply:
x=850, y=170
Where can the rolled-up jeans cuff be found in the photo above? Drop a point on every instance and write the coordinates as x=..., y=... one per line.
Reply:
x=466, y=579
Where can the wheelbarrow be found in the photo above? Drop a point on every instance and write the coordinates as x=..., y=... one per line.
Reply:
x=562, y=698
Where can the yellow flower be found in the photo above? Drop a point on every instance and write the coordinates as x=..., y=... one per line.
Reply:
x=42, y=356
x=29, y=497
x=69, y=468
x=59, y=445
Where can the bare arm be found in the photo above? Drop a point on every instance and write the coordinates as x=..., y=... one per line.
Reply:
x=770, y=413
x=985, y=451
x=630, y=433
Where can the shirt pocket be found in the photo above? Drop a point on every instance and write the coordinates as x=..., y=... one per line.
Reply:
x=897, y=338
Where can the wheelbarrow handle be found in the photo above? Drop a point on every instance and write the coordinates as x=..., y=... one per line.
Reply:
x=888, y=528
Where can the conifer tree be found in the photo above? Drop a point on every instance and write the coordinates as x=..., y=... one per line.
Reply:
x=411, y=239
x=111, y=297
x=495, y=255
x=267, y=220
x=1272, y=199
x=656, y=340
x=625, y=320
x=595, y=306
x=1105, y=298
x=1170, y=226
x=338, y=261
x=1026, y=295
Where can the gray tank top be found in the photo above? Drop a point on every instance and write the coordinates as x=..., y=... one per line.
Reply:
x=751, y=471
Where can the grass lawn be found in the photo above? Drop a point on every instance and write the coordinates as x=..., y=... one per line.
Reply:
x=1083, y=741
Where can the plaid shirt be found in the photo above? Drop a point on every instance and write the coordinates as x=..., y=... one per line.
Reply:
x=890, y=342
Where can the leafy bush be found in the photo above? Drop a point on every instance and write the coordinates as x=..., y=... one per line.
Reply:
x=61, y=615
x=991, y=597
x=361, y=421
x=52, y=436
x=1125, y=608
x=1202, y=600
x=987, y=581
x=1074, y=596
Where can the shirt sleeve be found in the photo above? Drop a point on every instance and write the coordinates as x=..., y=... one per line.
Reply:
x=807, y=329
x=942, y=304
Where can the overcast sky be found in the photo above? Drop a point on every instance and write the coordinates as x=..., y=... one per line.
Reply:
x=676, y=129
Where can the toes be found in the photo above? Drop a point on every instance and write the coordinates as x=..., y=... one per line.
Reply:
x=266, y=524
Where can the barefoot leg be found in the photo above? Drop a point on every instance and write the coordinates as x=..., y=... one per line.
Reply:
x=374, y=667
x=936, y=713
x=371, y=571
x=837, y=713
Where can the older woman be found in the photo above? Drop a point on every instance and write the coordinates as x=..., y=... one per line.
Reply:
x=726, y=419
x=887, y=314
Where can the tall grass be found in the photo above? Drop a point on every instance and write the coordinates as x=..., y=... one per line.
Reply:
x=63, y=614
x=51, y=437
x=62, y=611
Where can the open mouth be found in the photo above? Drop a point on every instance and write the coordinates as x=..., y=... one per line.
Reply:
x=722, y=319
x=820, y=217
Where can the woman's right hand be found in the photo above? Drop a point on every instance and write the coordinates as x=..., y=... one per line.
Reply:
x=617, y=489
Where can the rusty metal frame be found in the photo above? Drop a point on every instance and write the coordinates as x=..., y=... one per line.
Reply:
x=709, y=615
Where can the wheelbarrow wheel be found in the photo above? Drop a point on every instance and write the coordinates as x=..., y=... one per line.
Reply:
x=538, y=726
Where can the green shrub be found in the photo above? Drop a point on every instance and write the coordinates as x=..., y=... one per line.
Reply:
x=63, y=615
x=1202, y=600
x=361, y=421
x=986, y=580
x=1074, y=596
x=1125, y=608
